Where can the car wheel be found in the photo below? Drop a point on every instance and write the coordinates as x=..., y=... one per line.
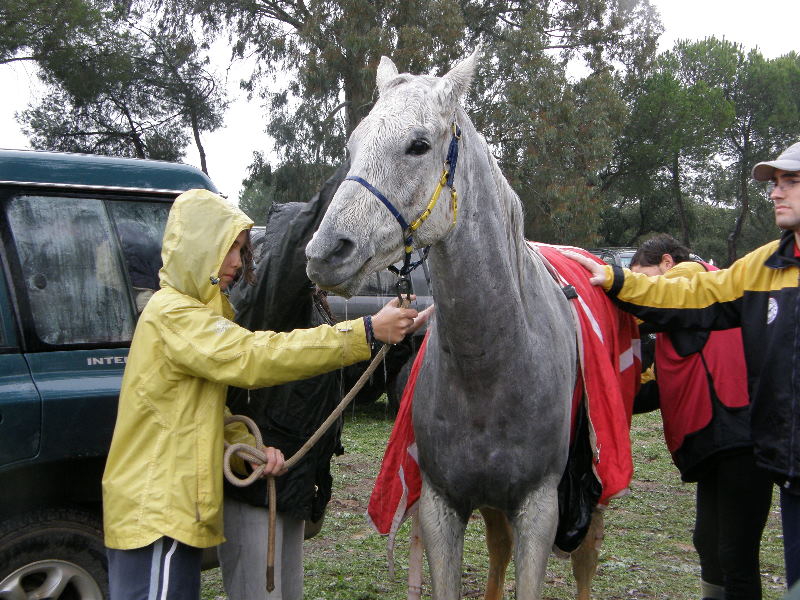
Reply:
x=56, y=554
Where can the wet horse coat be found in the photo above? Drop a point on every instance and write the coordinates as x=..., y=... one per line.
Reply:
x=492, y=423
x=610, y=367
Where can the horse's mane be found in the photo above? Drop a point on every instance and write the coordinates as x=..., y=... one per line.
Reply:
x=508, y=200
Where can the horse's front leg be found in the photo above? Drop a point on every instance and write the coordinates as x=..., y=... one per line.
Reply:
x=584, y=559
x=443, y=538
x=499, y=541
x=535, y=529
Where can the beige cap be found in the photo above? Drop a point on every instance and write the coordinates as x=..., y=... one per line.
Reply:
x=789, y=160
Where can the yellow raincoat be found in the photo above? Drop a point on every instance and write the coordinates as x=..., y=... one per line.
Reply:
x=164, y=470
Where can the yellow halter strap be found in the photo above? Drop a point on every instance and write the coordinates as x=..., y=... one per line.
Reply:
x=446, y=179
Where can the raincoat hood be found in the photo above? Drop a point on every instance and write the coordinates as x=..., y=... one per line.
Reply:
x=200, y=230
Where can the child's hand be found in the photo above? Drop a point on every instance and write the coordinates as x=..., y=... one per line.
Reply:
x=274, y=464
x=421, y=319
x=391, y=324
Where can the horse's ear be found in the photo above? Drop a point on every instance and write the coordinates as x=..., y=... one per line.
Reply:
x=455, y=85
x=386, y=72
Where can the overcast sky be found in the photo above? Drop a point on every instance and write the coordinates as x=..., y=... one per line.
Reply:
x=767, y=24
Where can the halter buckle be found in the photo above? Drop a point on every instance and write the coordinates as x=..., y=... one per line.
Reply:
x=403, y=286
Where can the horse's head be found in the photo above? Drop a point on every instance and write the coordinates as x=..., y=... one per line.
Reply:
x=399, y=149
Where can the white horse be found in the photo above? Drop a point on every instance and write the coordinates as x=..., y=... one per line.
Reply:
x=491, y=408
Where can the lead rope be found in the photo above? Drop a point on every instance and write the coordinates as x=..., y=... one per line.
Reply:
x=254, y=454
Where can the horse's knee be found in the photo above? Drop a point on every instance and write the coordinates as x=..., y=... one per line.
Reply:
x=443, y=537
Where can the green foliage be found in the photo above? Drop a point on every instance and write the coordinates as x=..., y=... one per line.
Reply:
x=673, y=130
x=550, y=133
x=258, y=190
x=328, y=52
x=637, y=144
x=553, y=134
x=699, y=121
x=139, y=89
x=113, y=124
x=290, y=182
x=37, y=30
x=298, y=182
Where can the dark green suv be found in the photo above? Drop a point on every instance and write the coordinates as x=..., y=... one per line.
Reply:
x=79, y=257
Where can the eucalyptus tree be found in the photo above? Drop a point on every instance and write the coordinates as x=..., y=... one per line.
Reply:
x=316, y=63
x=552, y=132
x=37, y=30
x=764, y=97
x=137, y=92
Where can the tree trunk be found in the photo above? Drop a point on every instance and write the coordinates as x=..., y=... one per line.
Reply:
x=676, y=191
x=357, y=92
x=744, y=202
x=196, y=132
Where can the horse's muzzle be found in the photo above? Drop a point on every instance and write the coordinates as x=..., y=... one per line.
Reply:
x=330, y=261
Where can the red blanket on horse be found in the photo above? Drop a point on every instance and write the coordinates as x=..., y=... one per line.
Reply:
x=610, y=366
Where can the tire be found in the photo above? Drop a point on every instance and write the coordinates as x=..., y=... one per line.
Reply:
x=56, y=554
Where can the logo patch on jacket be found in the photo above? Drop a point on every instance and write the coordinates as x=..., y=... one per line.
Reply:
x=772, y=310
x=222, y=325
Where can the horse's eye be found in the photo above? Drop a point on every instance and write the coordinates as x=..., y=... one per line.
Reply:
x=418, y=147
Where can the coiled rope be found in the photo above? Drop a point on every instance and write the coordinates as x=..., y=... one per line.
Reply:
x=255, y=454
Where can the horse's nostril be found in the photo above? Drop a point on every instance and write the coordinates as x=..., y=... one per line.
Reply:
x=342, y=250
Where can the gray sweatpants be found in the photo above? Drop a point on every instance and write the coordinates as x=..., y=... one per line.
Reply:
x=243, y=557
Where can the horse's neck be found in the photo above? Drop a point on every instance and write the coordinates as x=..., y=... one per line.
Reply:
x=480, y=268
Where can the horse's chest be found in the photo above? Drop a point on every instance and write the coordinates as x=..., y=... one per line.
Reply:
x=488, y=454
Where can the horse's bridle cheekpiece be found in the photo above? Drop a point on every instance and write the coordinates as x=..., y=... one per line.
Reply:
x=446, y=179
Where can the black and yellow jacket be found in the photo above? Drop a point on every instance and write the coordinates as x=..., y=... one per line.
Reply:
x=699, y=382
x=758, y=293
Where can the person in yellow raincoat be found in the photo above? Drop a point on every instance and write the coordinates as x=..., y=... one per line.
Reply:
x=162, y=486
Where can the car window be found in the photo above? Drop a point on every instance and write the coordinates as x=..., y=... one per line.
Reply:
x=625, y=258
x=6, y=323
x=71, y=270
x=140, y=227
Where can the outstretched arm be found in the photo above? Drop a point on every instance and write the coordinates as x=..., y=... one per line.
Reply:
x=709, y=300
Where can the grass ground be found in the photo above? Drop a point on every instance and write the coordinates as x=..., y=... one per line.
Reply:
x=647, y=552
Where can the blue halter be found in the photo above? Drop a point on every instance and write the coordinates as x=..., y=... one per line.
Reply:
x=446, y=179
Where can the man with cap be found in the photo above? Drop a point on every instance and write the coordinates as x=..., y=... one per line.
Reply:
x=760, y=294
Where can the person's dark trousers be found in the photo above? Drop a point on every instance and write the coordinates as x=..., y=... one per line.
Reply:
x=790, y=521
x=733, y=502
x=164, y=570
